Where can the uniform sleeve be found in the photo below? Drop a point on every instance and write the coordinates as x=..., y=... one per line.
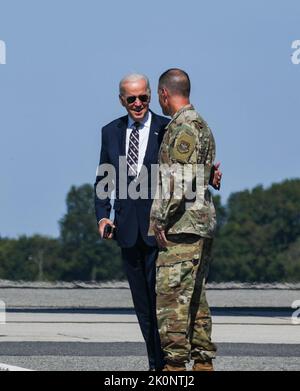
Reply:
x=192, y=144
x=182, y=154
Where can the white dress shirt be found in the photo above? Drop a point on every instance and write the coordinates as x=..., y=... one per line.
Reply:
x=144, y=131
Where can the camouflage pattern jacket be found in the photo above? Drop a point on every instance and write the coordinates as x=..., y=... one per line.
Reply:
x=187, y=152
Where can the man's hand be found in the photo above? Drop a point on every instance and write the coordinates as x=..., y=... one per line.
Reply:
x=216, y=177
x=160, y=237
x=102, y=225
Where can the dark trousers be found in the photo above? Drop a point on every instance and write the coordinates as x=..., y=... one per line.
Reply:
x=139, y=263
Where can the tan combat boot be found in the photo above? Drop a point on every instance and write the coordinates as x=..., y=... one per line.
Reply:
x=174, y=367
x=204, y=366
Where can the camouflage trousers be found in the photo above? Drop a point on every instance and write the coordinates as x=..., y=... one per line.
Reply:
x=183, y=315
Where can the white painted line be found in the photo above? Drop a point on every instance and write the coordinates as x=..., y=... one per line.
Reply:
x=10, y=368
x=2, y=312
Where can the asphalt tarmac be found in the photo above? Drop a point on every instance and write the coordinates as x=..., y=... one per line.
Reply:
x=97, y=330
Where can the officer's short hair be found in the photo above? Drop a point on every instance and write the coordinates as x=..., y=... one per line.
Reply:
x=176, y=81
x=131, y=78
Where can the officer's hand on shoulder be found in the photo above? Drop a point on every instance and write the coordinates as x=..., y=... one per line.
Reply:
x=216, y=176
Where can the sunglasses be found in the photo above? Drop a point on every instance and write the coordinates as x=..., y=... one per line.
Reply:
x=132, y=99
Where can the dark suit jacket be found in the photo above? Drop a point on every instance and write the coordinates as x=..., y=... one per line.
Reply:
x=131, y=216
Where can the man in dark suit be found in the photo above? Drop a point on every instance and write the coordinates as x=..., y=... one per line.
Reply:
x=136, y=137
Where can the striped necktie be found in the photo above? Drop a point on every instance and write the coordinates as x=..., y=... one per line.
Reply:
x=133, y=150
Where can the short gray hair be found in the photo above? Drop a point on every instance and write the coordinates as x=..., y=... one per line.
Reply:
x=132, y=78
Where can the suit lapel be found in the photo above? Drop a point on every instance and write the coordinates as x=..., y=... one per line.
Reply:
x=151, y=149
x=122, y=135
x=151, y=155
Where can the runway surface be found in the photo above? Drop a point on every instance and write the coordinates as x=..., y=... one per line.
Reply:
x=98, y=335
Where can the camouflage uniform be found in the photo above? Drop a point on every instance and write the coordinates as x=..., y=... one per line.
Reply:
x=183, y=314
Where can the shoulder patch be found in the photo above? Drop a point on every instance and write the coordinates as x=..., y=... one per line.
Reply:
x=183, y=147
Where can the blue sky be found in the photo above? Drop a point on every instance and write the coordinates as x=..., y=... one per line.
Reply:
x=60, y=86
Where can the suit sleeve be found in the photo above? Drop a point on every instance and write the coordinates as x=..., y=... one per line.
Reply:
x=102, y=200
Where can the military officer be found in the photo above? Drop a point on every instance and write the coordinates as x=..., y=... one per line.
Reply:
x=184, y=228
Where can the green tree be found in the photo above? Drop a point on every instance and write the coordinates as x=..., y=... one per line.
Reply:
x=33, y=258
x=86, y=256
x=258, y=240
x=221, y=213
x=260, y=224
x=289, y=262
